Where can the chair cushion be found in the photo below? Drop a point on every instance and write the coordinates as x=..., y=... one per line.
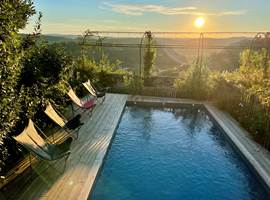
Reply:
x=89, y=104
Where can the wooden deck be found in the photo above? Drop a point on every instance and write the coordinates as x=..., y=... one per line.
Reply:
x=86, y=158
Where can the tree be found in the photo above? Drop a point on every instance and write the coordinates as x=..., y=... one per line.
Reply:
x=13, y=16
x=46, y=71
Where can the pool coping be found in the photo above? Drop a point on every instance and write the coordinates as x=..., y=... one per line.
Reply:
x=258, y=157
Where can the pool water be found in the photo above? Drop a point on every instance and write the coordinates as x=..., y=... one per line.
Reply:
x=173, y=154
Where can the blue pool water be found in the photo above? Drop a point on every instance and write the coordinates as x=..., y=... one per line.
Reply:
x=173, y=154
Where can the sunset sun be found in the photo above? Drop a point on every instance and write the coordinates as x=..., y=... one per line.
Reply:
x=199, y=22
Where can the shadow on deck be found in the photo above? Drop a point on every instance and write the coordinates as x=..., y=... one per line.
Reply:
x=86, y=158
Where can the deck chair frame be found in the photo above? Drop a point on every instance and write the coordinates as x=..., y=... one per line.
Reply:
x=78, y=102
x=46, y=142
x=93, y=91
x=65, y=120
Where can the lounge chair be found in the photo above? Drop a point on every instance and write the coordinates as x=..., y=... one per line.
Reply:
x=92, y=90
x=87, y=104
x=58, y=118
x=35, y=144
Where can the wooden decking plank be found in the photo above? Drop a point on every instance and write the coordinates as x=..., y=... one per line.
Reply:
x=94, y=170
x=81, y=148
x=85, y=160
x=86, y=153
x=69, y=179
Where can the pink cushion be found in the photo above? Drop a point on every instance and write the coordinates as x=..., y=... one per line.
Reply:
x=89, y=104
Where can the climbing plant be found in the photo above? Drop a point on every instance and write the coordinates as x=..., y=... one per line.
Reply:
x=149, y=55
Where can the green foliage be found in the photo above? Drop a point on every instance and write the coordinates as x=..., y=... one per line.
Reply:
x=256, y=59
x=100, y=72
x=44, y=77
x=133, y=83
x=149, y=55
x=14, y=15
x=31, y=73
x=194, y=83
x=245, y=92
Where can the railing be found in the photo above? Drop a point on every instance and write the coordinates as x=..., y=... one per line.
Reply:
x=196, y=47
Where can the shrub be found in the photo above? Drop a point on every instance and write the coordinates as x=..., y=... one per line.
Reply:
x=44, y=78
x=101, y=72
x=14, y=15
x=245, y=93
x=30, y=74
x=133, y=83
x=195, y=83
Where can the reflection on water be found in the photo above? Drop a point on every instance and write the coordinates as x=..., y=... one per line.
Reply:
x=173, y=153
x=193, y=117
x=146, y=120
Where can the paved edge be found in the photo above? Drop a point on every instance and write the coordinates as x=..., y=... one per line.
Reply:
x=251, y=151
x=242, y=146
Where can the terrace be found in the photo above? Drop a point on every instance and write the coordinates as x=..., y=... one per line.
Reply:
x=185, y=113
x=39, y=181
x=86, y=158
x=89, y=151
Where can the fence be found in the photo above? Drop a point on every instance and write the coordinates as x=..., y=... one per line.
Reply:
x=175, y=51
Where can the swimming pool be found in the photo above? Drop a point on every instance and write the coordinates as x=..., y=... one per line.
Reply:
x=177, y=153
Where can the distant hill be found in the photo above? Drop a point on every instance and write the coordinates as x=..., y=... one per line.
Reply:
x=52, y=39
x=169, y=61
x=63, y=36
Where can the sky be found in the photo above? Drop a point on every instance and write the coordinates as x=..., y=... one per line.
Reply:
x=76, y=16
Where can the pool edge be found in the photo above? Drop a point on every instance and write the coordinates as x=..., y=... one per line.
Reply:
x=252, y=152
x=249, y=149
x=160, y=101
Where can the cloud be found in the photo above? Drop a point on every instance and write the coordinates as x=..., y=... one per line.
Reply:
x=237, y=12
x=140, y=9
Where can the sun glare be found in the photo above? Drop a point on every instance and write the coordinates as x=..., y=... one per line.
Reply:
x=199, y=22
